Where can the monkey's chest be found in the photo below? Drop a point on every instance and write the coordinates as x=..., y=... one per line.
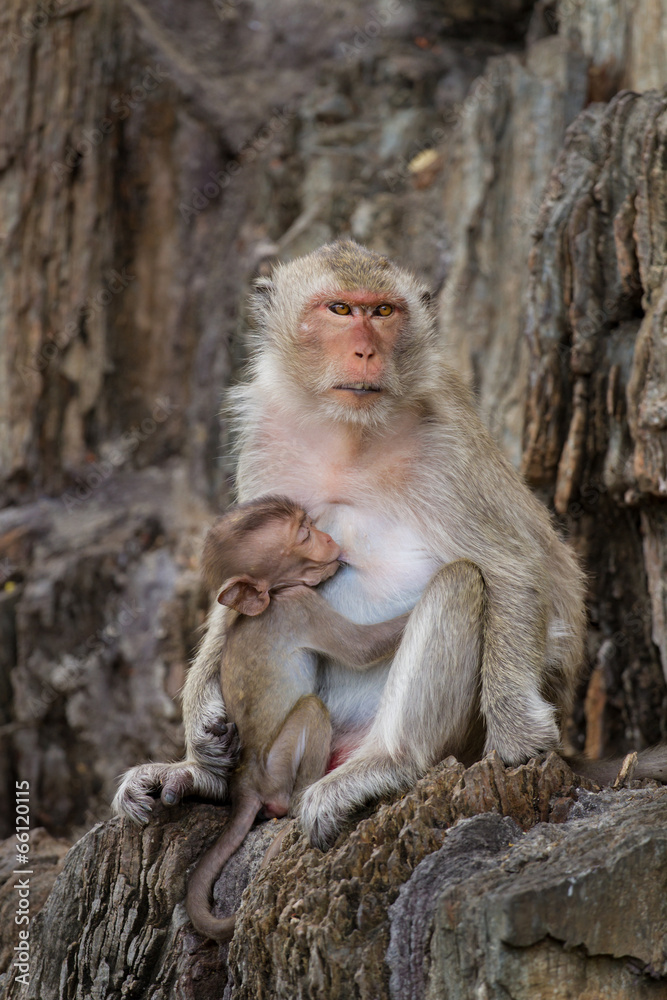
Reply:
x=388, y=559
x=388, y=564
x=318, y=468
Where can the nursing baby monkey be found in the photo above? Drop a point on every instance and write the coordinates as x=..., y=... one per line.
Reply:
x=265, y=557
x=352, y=410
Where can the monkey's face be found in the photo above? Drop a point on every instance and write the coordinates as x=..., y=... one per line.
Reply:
x=348, y=334
x=300, y=553
x=349, y=341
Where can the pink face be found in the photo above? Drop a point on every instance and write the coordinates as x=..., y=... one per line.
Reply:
x=355, y=334
x=282, y=553
x=285, y=552
x=313, y=553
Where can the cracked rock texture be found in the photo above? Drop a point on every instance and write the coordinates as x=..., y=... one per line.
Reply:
x=561, y=911
x=115, y=924
x=595, y=435
x=504, y=880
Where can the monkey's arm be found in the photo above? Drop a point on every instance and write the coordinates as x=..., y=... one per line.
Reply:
x=211, y=746
x=334, y=635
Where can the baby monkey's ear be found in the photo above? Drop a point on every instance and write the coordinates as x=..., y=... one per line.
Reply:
x=245, y=595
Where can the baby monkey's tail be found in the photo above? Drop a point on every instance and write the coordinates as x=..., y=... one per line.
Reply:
x=199, y=899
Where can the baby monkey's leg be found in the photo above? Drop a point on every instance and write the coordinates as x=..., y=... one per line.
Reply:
x=299, y=754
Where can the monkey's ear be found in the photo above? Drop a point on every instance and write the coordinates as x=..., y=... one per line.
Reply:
x=245, y=595
x=425, y=299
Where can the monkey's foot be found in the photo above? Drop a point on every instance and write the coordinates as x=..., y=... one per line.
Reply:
x=141, y=786
x=324, y=807
x=524, y=729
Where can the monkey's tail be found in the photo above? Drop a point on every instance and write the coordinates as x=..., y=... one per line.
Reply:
x=651, y=763
x=199, y=897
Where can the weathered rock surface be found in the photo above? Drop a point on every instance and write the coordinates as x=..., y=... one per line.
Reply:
x=595, y=431
x=576, y=910
x=102, y=635
x=151, y=163
x=495, y=166
x=115, y=923
x=320, y=922
x=47, y=856
x=499, y=874
x=149, y=168
x=124, y=329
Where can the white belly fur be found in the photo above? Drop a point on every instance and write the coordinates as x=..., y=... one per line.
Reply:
x=388, y=568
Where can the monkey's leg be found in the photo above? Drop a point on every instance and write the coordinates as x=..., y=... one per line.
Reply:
x=520, y=722
x=299, y=754
x=429, y=707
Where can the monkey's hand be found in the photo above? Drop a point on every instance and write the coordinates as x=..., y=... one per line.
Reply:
x=141, y=785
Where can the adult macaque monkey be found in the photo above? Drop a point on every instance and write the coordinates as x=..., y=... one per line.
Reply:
x=265, y=557
x=352, y=410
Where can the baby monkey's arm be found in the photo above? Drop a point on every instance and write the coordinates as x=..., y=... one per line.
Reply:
x=334, y=635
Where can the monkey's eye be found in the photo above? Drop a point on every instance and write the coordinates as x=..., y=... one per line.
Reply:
x=304, y=533
x=340, y=308
x=384, y=310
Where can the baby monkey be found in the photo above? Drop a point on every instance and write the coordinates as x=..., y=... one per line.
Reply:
x=266, y=556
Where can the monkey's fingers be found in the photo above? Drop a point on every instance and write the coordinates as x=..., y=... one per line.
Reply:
x=191, y=778
x=137, y=791
x=220, y=728
x=322, y=811
x=214, y=745
x=177, y=784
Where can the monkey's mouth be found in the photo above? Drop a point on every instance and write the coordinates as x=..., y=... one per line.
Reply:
x=359, y=388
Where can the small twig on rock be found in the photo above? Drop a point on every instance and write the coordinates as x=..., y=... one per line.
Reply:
x=627, y=770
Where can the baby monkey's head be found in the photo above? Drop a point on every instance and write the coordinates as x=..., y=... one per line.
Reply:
x=265, y=545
